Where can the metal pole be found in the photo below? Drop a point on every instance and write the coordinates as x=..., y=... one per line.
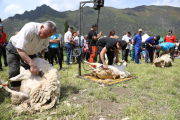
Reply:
x=80, y=40
x=98, y=19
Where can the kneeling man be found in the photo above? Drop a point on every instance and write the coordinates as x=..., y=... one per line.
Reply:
x=109, y=44
x=31, y=39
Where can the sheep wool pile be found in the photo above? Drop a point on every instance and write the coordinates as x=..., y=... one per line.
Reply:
x=163, y=61
x=36, y=93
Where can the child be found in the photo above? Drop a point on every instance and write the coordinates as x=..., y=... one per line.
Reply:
x=86, y=52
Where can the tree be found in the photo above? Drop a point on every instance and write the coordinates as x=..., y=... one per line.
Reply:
x=66, y=26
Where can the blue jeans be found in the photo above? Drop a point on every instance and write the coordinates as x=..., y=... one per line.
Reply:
x=68, y=49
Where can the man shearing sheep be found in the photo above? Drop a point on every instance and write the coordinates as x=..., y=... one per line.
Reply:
x=109, y=44
x=31, y=39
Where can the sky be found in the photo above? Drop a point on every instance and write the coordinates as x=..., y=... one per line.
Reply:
x=9, y=8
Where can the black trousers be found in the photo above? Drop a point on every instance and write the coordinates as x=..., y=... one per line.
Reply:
x=3, y=52
x=47, y=56
x=62, y=55
x=125, y=54
x=110, y=55
x=172, y=50
x=53, y=52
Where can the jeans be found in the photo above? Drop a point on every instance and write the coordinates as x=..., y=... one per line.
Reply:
x=68, y=49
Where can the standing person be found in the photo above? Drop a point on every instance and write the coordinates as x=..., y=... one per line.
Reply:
x=133, y=50
x=54, y=49
x=3, y=42
x=61, y=43
x=92, y=39
x=153, y=40
x=137, y=41
x=170, y=37
x=31, y=39
x=109, y=44
x=86, y=50
x=68, y=47
x=73, y=44
x=82, y=44
x=167, y=47
x=128, y=39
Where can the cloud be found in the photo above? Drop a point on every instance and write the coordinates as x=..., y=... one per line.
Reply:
x=13, y=9
x=175, y=3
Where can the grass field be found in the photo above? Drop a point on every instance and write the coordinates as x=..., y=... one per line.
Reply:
x=154, y=95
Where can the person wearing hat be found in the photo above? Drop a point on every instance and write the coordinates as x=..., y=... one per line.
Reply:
x=137, y=42
x=153, y=40
x=170, y=37
x=128, y=40
x=92, y=40
x=68, y=47
x=167, y=47
x=3, y=42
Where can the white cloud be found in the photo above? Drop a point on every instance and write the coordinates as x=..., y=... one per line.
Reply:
x=13, y=9
x=175, y=3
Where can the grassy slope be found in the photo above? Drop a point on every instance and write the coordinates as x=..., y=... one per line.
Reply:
x=155, y=94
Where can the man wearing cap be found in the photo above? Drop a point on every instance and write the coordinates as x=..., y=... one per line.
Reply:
x=137, y=41
x=128, y=40
x=153, y=40
x=167, y=47
x=92, y=40
x=68, y=47
x=3, y=42
x=170, y=37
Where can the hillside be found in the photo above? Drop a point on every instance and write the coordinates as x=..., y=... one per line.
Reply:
x=152, y=19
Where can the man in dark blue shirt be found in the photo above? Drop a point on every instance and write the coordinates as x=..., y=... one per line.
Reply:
x=153, y=40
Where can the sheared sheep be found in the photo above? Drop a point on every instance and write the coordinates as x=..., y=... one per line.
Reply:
x=163, y=61
x=36, y=93
x=115, y=71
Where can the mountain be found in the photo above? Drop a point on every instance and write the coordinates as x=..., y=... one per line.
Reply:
x=152, y=19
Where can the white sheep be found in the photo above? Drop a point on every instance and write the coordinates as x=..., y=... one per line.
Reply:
x=163, y=61
x=36, y=93
x=115, y=71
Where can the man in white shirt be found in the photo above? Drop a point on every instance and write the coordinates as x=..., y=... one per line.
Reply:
x=128, y=40
x=31, y=39
x=68, y=39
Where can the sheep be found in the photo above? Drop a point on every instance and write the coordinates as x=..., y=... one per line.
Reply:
x=115, y=71
x=36, y=93
x=163, y=61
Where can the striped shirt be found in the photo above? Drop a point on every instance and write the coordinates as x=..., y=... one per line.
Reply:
x=28, y=39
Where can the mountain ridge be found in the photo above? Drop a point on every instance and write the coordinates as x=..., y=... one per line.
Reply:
x=152, y=19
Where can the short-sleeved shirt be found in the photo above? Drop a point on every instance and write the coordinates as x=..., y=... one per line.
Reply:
x=109, y=43
x=127, y=39
x=61, y=41
x=28, y=39
x=171, y=39
x=91, y=34
x=83, y=41
x=67, y=36
x=53, y=37
x=151, y=41
x=166, y=46
x=138, y=40
x=3, y=39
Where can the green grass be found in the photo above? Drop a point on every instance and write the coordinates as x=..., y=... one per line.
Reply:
x=155, y=95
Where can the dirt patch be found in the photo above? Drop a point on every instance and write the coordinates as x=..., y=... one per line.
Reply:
x=121, y=91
